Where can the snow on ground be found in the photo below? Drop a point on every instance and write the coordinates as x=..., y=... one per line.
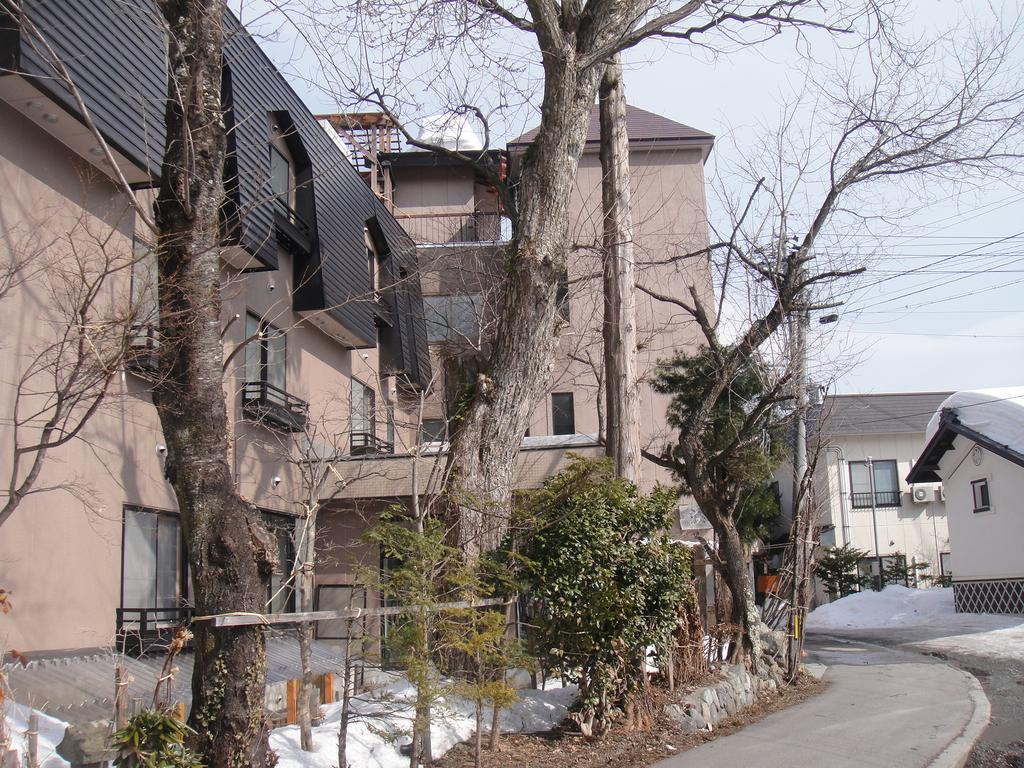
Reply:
x=385, y=719
x=51, y=733
x=899, y=607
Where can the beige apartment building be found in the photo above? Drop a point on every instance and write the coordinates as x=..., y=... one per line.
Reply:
x=314, y=322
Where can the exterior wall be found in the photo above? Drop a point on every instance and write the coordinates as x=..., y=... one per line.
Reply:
x=669, y=219
x=987, y=544
x=61, y=552
x=918, y=531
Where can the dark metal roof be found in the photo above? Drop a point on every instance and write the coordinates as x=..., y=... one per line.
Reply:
x=892, y=413
x=925, y=469
x=641, y=125
x=115, y=55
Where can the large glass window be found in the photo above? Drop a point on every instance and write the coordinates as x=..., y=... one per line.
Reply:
x=364, y=417
x=562, y=295
x=151, y=562
x=886, y=484
x=563, y=415
x=432, y=431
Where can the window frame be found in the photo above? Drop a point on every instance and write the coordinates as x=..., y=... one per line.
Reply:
x=562, y=296
x=424, y=432
x=181, y=567
x=288, y=198
x=882, y=498
x=278, y=524
x=371, y=412
x=265, y=331
x=981, y=484
x=571, y=413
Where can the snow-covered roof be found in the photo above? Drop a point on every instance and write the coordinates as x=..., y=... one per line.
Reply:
x=993, y=418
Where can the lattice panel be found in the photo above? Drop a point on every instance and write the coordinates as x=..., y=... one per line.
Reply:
x=1000, y=596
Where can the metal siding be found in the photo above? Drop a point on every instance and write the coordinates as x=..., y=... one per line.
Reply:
x=115, y=54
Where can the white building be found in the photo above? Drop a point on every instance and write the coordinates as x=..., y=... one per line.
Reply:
x=869, y=443
x=974, y=446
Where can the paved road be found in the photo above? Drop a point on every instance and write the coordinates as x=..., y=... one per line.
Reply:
x=1002, y=743
x=884, y=707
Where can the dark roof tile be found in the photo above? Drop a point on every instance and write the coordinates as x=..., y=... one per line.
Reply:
x=641, y=126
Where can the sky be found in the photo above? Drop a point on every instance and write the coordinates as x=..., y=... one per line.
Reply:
x=940, y=306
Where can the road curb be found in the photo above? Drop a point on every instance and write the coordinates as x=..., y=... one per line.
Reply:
x=958, y=750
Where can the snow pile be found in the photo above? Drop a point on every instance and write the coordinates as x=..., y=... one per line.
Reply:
x=384, y=720
x=995, y=413
x=894, y=606
x=51, y=733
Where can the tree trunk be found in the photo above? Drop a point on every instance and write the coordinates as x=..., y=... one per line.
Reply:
x=224, y=537
x=305, y=706
x=622, y=431
x=346, y=701
x=733, y=565
x=496, y=726
x=478, y=740
x=493, y=419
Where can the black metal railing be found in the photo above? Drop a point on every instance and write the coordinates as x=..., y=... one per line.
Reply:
x=139, y=629
x=443, y=228
x=270, y=405
x=882, y=499
x=368, y=444
x=143, y=348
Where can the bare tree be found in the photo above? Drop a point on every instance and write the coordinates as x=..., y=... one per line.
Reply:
x=571, y=43
x=62, y=376
x=923, y=116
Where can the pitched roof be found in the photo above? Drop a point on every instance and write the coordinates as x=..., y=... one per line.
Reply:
x=891, y=413
x=641, y=125
x=992, y=418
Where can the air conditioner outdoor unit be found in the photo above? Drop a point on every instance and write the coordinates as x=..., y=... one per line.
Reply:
x=389, y=388
x=922, y=495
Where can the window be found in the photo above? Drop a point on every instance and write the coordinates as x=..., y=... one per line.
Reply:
x=339, y=597
x=266, y=355
x=151, y=572
x=452, y=318
x=886, y=484
x=280, y=587
x=562, y=296
x=945, y=564
x=390, y=415
x=563, y=416
x=281, y=179
x=979, y=489
x=363, y=409
x=145, y=304
x=432, y=431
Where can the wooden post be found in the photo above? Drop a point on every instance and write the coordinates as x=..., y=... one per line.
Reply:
x=179, y=711
x=292, y=702
x=120, y=698
x=326, y=688
x=32, y=737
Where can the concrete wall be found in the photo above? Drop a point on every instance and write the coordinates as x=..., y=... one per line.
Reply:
x=986, y=545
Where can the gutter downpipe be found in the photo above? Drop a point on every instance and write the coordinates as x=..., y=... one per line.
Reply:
x=843, y=520
x=874, y=522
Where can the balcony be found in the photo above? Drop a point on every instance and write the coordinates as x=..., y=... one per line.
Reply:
x=142, y=629
x=882, y=499
x=368, y=444
x=273, y=407
x=142, y=357
x=456, y=228
x=293, y=232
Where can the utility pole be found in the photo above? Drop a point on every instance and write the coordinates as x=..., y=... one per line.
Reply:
x=874, y=521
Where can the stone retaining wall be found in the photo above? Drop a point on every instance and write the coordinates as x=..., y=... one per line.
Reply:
x=706, y=707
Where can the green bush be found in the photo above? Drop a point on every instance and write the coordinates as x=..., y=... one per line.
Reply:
x=603, y=579
x=154, y=738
